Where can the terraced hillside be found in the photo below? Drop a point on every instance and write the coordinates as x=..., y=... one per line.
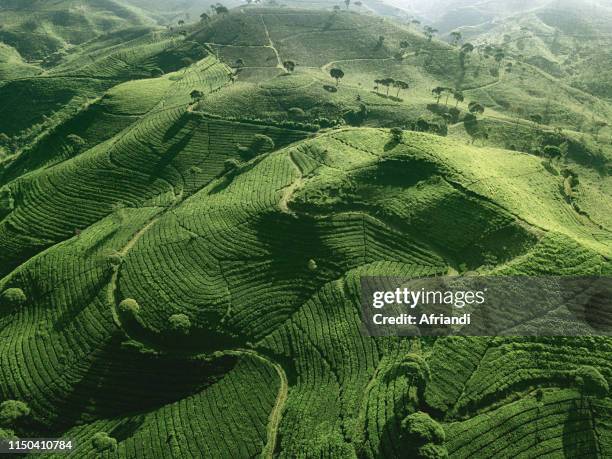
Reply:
x=182, y=239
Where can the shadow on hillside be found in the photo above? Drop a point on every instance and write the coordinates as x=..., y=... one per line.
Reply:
x=578, y=435
x=121, y=380
x=172, y=152
x=176, y=127
x=388, y=97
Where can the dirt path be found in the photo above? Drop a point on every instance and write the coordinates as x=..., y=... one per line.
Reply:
x=289, y=190
x=271, y=44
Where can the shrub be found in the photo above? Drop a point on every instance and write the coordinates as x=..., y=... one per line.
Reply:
x=552, y=151
x=6, y=434
x=231, y=164
x=420, y=428
x=101, y=442
x=396, y=134
x=13, y=297
x=312, y=265
x=179, y=323
x=262, y=143
x=296, y=112
x=11, y=411
x=129, y=306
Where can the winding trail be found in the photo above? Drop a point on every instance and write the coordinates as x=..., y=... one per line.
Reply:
x=271, y=44
x=290, y=189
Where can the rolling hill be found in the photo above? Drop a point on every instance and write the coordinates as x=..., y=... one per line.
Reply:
x=185, y=218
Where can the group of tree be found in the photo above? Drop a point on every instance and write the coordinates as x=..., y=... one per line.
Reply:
x=391, y=82
x=439, y=91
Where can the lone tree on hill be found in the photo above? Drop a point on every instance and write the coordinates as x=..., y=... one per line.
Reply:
x=400, y=85
x=289, y=66
x=387, y=82
x=396, y=134
x=204, y=17
x=337, y=74
x=181, y=22
x=347, y=3
x=220, y=9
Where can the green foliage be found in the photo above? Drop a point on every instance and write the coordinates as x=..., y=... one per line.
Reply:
x=13, y=297
x=180, y=324
x=11, y=411
x=102, y=442
x=396, y=134
x=129, y=306
x=6, y=434
x=432, y=451
x=262, y=144
x=419, y=428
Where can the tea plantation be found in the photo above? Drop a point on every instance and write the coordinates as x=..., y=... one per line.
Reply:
x=185, y=218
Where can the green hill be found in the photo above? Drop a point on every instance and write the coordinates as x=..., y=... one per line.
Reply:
x=185, y=218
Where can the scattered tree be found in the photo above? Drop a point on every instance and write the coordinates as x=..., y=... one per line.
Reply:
x=337, y=74
x=220, y=9
x=458, y=95
x=204, y=17
x=347, y=3
x=387, y=82
x=181, y=23
x=400, y=85
x=102, y=442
